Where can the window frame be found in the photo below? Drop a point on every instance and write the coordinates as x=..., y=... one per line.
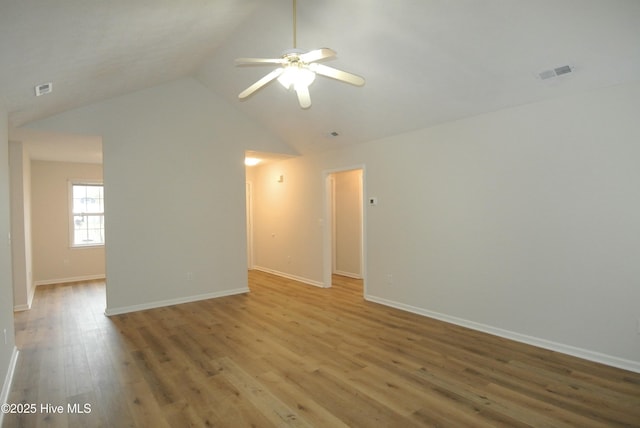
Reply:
x=71, y=214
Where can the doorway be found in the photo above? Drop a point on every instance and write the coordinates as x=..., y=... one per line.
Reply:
x=344, y=235
x=45, y=169
x=249, y=221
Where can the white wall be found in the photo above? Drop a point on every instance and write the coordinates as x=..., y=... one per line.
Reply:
x=54, y=260
x=523, y=222
x=21, y=248
x=8, y=352
x=175, y=192
x=288, y=219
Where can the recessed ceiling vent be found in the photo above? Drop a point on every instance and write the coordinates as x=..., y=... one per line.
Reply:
x=43, y=89
x=559, y=71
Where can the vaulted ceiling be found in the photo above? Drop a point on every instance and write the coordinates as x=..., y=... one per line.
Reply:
x=424, y=61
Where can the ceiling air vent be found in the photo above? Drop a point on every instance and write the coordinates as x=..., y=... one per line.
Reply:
x=559, y=71
x=43, y=89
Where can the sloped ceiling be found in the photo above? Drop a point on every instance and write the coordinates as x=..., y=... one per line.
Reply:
x=424, y=61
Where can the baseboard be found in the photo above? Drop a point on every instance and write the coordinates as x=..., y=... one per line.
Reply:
x=162, y=303
x=289, y=276
x=8, y=380
x=348, y=274
x=27, y=306
x=585, y=354
x=70, y=279
x=32, y=294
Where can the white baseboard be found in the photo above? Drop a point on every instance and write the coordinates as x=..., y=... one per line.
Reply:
x=70, y=279
x=162, y=303
x=289, y=276
x=585, y=354
x=8, y=380
x=32, y=293
x=348, y=274
x=27, y=306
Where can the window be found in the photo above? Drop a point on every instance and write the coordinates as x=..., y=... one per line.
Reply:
x=87, y=214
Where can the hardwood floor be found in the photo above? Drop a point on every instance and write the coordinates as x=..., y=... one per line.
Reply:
x=288, y=354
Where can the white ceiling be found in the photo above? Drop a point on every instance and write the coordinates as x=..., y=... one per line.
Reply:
x=424, y=61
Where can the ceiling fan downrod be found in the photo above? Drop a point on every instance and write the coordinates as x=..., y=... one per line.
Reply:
x=295, y=13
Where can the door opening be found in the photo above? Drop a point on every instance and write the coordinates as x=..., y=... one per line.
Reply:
x=344, y=234
x=249, y=205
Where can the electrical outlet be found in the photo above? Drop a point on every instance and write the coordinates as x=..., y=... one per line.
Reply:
x=189, y=276
x=6, y=342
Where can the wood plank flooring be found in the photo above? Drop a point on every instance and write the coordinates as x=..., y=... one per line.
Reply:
x=288, y=354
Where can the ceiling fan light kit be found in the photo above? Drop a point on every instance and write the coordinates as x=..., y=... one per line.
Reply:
x=298, y=70
x=295, y=75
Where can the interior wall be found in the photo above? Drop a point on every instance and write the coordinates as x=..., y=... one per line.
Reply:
x=21, y=243
x=347, y=223
x=288, y=219
x=8, y=351
x=54, y=260
x=175, y=191
x=523, y=222
x=249, y=173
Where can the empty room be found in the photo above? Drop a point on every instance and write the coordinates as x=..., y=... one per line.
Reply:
x=320, y=213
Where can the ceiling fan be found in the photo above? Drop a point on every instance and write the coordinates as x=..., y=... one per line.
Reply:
x=298, y=69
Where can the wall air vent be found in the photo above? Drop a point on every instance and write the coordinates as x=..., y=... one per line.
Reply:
x=43, y=89
x=558, y=71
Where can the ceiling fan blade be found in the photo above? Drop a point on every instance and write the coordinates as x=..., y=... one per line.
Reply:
x=303, y=96
x=334, y=73
x=249, y=61
x=260, y=83
x=317, y=55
